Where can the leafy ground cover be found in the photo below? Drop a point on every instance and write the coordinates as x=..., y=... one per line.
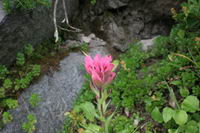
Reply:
x=157, y=90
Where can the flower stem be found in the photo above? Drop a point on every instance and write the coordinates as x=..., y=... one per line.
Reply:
x=101, y=110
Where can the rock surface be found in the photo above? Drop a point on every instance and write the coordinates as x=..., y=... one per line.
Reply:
x=58, y=92
x=147, y=43
x=29, y=27
x=123, y=21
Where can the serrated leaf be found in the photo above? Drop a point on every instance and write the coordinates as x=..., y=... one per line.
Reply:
x=92, y=128
x=180, y=117
x=88, y=110
x=156, y=115
x=190, y=104
x=167, y=114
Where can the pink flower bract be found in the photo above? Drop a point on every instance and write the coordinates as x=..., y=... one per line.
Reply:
x=100, y=68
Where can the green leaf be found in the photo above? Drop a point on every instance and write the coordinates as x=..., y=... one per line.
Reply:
x=181, y=33
x=191, y=127
x=156, y=115
x=167, y=114
x=7, y=117
x=176, y=82
x=172, y=131
x=92, y=128
x=115, y=63
x=88, y=110
x=190, y=104
x=180, y=117
x=184, y=92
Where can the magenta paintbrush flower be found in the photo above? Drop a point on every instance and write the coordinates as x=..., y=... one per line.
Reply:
x=100, y=68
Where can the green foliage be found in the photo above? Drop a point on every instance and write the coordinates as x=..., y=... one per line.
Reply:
x=190, y=104
x=29, y=126
x=9, y=5
x=20, y=61
x=160, y=47
x=122, y=124
x=127, y=83
x=7, y=117
x=34, y=100
x=7, y=83
x=84, y=47
x=93, y=2
x=3, y=72
x=14, y=79
x=181, y=117
x=156, y=115
x=2, y=92
x=88, y=110
x=28, y=50
x=11, y=103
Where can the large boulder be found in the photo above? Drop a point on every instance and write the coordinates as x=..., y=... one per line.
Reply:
x=23, y=27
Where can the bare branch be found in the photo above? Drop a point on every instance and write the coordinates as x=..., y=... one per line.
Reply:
x=56, y=34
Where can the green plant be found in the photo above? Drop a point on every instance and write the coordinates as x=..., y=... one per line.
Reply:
x=7, y=83
x=84, y=47
x=7, y=117
x=93, y=2
x=29, y=126
x=122, y=124
x=34, y=100
x=11, y=103
x=2, y=92
x=20, y=60
x=179, y=114
x=7, y=5
x=162, y=83
x=3, y=72
x=28, y=50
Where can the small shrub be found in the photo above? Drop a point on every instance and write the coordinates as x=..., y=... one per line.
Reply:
x=7, y=117
x=29, y=126
x=34, y=100
x=20, y=61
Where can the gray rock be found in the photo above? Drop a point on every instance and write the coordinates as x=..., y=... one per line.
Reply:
x=114, y=4
x=120, y=47
x=147, y=43
x=70, y=44
x=34, y=26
